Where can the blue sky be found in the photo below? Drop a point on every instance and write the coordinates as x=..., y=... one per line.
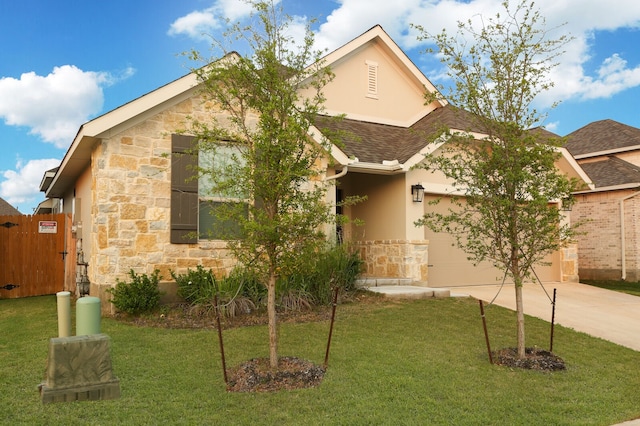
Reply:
x=65, y=62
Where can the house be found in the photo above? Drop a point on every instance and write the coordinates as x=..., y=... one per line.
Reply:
x=49, y=205
x=609, y=243
x=122, y=177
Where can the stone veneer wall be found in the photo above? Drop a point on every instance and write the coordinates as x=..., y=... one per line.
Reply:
x=599, y=239
x=130, y=206
x=395, y=259
x=569, y=263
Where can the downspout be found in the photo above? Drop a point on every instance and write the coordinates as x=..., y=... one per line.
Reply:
x=623, y=245
x=343, y=172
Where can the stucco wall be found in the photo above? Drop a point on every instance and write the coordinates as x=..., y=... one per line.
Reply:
x=80, y=207
x=399, y=97
x=383, y=212
x=600, y=240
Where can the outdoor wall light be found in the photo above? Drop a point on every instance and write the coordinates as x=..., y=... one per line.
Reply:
x=567, y=204
x=417, y=191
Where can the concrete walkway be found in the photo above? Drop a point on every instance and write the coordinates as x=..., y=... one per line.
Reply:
x=607, y=314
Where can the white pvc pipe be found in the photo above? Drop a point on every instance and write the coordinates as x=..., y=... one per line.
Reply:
x=343, y=172
x=623, y=243
x=64, y=313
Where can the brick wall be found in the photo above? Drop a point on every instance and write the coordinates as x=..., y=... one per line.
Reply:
x=599, y=242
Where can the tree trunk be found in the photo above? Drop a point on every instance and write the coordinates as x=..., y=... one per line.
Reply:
x=271, y=309
x=520, y=318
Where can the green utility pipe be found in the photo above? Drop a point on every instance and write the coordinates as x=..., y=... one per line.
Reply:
x=87, y=316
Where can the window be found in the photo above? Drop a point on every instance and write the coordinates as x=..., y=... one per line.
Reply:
x=372, y=79
x=210, y=226
x=192, y=200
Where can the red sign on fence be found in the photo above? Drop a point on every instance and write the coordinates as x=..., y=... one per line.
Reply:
x=47, y=227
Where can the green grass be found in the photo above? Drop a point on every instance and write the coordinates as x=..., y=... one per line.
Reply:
x=415, y=362
x=629, y=287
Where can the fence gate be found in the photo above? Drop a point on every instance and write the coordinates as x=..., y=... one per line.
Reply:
x=34, y=259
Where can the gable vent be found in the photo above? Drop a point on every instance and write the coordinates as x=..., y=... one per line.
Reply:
x=372, y=79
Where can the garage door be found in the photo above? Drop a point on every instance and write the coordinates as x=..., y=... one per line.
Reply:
x=449, y=267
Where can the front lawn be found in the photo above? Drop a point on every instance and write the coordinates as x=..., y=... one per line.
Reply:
x=414, y=362
x=629, y=287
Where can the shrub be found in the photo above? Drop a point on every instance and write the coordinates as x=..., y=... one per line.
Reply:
x=237, y=293
x=292, y=293
x=138, y=296
x=196, y=286
x=241, y=292
x=334, y=267
x=246, y=280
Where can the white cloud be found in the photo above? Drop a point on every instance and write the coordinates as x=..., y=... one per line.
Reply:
x=235, y=9
x=613, y=76
x=54, y=106
x=552, y=127
x=195, y=25
x=21, y=186
x=199, y=23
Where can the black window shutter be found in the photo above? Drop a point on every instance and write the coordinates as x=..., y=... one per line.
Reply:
x=184, y=191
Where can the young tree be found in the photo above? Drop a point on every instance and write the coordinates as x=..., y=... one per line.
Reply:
x=262, y=160
x=509, y=178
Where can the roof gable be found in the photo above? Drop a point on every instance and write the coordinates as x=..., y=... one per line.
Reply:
x=375, y=81
x=601, y=138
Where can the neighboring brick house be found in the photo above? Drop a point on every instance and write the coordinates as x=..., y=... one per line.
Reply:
x=122, y=177
x=609, y=243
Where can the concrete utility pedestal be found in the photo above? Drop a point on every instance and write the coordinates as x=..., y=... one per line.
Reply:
x=79, y=369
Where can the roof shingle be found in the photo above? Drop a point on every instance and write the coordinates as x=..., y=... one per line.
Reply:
x=611, y=171
x=375, y=143
x=7, y=209
x=603, y=135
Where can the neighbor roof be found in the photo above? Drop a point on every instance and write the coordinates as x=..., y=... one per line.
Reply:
x=612, y=171
x=601, y=138
x=7, y=209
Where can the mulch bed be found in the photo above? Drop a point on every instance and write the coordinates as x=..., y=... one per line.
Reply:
x=256, y=375
x=182, y=316
x=535, y=359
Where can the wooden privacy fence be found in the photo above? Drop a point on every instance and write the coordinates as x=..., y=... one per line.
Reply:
x=37, y=255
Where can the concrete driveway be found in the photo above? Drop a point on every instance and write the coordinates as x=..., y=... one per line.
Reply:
x=610, y=315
